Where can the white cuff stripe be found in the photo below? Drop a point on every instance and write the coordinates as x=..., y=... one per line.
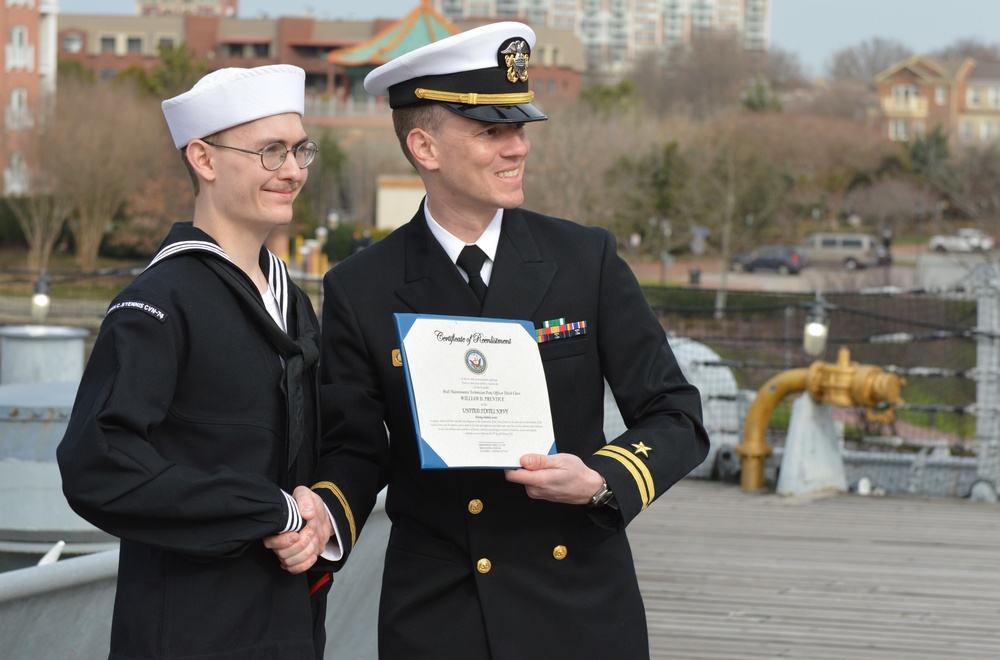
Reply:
x=294, y=522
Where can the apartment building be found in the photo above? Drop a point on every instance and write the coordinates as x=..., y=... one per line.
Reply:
x=28, y=29
x=615, y=33
x=960, y=95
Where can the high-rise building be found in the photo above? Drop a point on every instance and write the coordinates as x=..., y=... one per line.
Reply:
x=615, y=33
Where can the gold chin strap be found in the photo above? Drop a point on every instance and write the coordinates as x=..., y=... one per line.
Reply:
x=472, y=98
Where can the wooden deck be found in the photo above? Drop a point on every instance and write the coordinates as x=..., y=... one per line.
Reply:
x=727, y=574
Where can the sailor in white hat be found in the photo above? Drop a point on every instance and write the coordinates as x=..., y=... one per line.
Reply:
x=487, y=563
x=193, y=436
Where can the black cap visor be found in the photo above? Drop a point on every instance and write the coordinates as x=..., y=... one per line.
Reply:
x=497, y=114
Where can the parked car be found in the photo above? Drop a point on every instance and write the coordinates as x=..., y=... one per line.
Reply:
x=786, y=259
x=852, y=251
x=966, y=239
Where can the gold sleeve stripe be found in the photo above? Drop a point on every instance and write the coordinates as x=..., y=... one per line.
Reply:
x=473, y=98
x=638, y=469
x=343, y=502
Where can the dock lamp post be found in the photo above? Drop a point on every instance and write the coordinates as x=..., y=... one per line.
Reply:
x=41, y=299
x=817, y=328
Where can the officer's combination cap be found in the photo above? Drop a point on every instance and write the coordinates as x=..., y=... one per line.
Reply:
x=481, y=74
x=233, y=96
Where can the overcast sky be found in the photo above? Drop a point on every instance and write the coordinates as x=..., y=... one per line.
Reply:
x=813, y=30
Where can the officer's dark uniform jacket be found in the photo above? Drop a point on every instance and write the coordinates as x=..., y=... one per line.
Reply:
x=178, y=444
x=475, y=568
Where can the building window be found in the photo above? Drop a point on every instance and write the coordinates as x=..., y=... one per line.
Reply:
x=965, y=131
x=18, y=115
x=940, y=94
x=261, y=50
x=107, y=44
x=166, y=42
x=20, y=55
x=904, y=93
x=899, y=130
x=15, y=177
x=974, y=97
x=134, y=45
x=73, y=42
x=235, y=50
x=993, y=97
x=989, y=131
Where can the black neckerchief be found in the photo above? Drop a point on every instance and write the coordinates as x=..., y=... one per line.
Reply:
x=300, y=354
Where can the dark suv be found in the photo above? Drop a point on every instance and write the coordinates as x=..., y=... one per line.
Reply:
x=785, y=259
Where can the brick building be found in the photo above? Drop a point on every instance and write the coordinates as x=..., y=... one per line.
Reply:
x=109, y=44
x=28, y=29
x=960, y=95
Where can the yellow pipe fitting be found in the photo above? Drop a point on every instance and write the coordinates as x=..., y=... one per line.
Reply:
x=754, y=450
x=842, y=384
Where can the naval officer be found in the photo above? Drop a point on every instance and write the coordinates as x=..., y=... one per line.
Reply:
x=503, y=564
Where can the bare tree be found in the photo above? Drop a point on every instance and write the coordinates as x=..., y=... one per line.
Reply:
x=863, y=62
x=106, y=138
x=979, y=168
x=825, y=157
x=974, y=48
x=367, y=158
x=43, y=209
x=570, y=154
x=844, y=98
x=40, y=215
x=703, y=79
x=733, y=186
x=783, y=70
x=890, y=204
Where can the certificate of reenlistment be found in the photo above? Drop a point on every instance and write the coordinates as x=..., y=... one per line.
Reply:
x=477, y=390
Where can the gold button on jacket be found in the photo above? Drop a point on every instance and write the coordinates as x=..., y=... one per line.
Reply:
x=559, y=552
x=484, y=565
x=475, y=506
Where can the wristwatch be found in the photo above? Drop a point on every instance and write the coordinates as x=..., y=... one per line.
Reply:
x=601, y=497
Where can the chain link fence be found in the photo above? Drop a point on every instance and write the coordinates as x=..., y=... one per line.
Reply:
x=930, y=446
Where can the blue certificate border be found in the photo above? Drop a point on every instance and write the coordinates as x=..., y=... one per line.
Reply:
x=429, y=458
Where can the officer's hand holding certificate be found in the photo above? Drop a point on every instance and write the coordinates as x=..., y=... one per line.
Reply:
x=477, y=390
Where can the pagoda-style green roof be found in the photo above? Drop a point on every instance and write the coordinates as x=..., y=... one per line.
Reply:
x=422, y=26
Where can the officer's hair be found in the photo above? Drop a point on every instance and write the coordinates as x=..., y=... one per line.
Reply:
x=427, y=117
x=214, y=137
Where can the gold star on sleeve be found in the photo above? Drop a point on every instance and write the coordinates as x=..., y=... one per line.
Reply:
x=642, y=449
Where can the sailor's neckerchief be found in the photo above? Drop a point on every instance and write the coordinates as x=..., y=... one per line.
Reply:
x=299, y=354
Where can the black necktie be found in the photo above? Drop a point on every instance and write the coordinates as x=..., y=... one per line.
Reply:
x=471, y=260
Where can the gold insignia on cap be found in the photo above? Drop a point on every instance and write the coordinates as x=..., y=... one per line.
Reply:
x=517, y=61
x=642, y=449
x=397, y=358
x=472, y=98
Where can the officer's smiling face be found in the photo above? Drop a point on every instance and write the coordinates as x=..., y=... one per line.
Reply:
x=480, y=166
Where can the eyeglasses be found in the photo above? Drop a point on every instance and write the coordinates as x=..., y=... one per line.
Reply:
x=273, y=155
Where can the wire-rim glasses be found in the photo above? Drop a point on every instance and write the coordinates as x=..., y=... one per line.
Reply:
x=272, y=157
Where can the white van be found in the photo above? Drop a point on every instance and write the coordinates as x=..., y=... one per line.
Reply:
x=852, y=251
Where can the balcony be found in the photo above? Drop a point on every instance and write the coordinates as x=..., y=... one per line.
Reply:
x=20, y=58
x=18, y=119
x=914, y=106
